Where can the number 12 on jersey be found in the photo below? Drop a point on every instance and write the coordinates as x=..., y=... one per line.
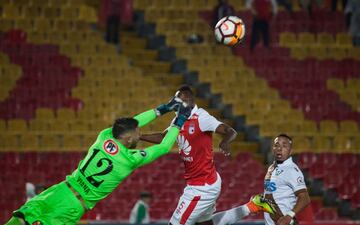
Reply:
x=99, y=164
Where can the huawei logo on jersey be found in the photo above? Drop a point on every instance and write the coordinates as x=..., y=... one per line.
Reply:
x=183, y=144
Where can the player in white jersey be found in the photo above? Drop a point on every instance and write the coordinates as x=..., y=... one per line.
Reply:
x=285, y=189
x=284, y=184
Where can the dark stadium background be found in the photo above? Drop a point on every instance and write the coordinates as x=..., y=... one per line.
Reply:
x=61, y=82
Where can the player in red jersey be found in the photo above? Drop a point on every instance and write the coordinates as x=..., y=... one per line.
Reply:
x=197, y=203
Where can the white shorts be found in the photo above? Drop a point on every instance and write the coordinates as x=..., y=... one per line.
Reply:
x=197, y=204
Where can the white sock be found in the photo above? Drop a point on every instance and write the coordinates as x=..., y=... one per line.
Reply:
x=231, y=216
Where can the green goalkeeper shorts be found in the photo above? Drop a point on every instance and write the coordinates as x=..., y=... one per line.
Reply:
x=55, y=206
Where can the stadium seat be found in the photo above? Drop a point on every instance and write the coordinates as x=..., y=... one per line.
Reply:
x=59, y=126
x=343, y=40
x=49, y=142
x=29, y=142
x=9, y=142
x=65, y=114
x=71, y=142
x=299, y=53
x=42, y=25
x=306, y=39
x=308, y=128
x=338, y=53
x=328, y=127
x=289, y=128
x=335, y=84
x=17, y=126
x=287, y=39
x=344, y=143
x=326, y=214
x=354, y=53
x=268, y=129
x=37, y=125
x=2, y=126
x=45, y=114
x=301, y=143
x=318, y=52
x=322, y=144
x=356, y=200
x=23, y=24
x=325, y=39
x=11, y=12
x=80, y=126
x=353, y=83
x=346, y=190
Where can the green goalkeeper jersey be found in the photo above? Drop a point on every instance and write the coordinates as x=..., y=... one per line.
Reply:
x=108, y=162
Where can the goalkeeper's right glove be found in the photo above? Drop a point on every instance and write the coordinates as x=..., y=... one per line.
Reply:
x=183, y=114
x=173, y=104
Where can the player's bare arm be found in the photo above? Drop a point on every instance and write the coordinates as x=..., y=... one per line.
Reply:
x=155, y=138
x=303, y=199
x=156, y=151
x=229, y=134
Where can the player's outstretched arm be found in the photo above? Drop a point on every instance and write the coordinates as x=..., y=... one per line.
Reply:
x=151, y=153
x=154, y=152
x=155, y=138
x=150, y=115
x=229, y=134
x=146, y=117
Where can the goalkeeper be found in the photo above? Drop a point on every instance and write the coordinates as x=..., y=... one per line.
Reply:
x=108, y=162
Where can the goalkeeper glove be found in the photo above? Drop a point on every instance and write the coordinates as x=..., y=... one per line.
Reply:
x=183, y=114
x=173, y=104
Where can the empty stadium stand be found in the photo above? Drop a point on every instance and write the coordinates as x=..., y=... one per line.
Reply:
x=61, y=83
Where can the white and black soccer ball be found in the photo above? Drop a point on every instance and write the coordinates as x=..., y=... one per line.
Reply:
x=230, y=30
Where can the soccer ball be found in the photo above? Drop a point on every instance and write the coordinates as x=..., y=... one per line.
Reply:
x=230, y=30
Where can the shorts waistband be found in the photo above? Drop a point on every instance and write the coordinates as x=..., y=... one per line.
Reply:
x=77, y=195
x=211, y=180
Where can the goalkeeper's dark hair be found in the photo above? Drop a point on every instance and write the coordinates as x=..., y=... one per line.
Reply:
x=287, y=137
x=123, y=125
x=186, y=88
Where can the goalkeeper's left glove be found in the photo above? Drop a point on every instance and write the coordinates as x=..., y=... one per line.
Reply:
x=172, y=105
x=183, y=114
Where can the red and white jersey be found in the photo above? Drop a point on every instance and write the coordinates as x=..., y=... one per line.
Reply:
x=195, y=147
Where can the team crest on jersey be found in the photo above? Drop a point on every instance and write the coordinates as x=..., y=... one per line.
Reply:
x=184, y=145
x=191, y=128
x=278, y=172
x=111, y=147
x=300, y=180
